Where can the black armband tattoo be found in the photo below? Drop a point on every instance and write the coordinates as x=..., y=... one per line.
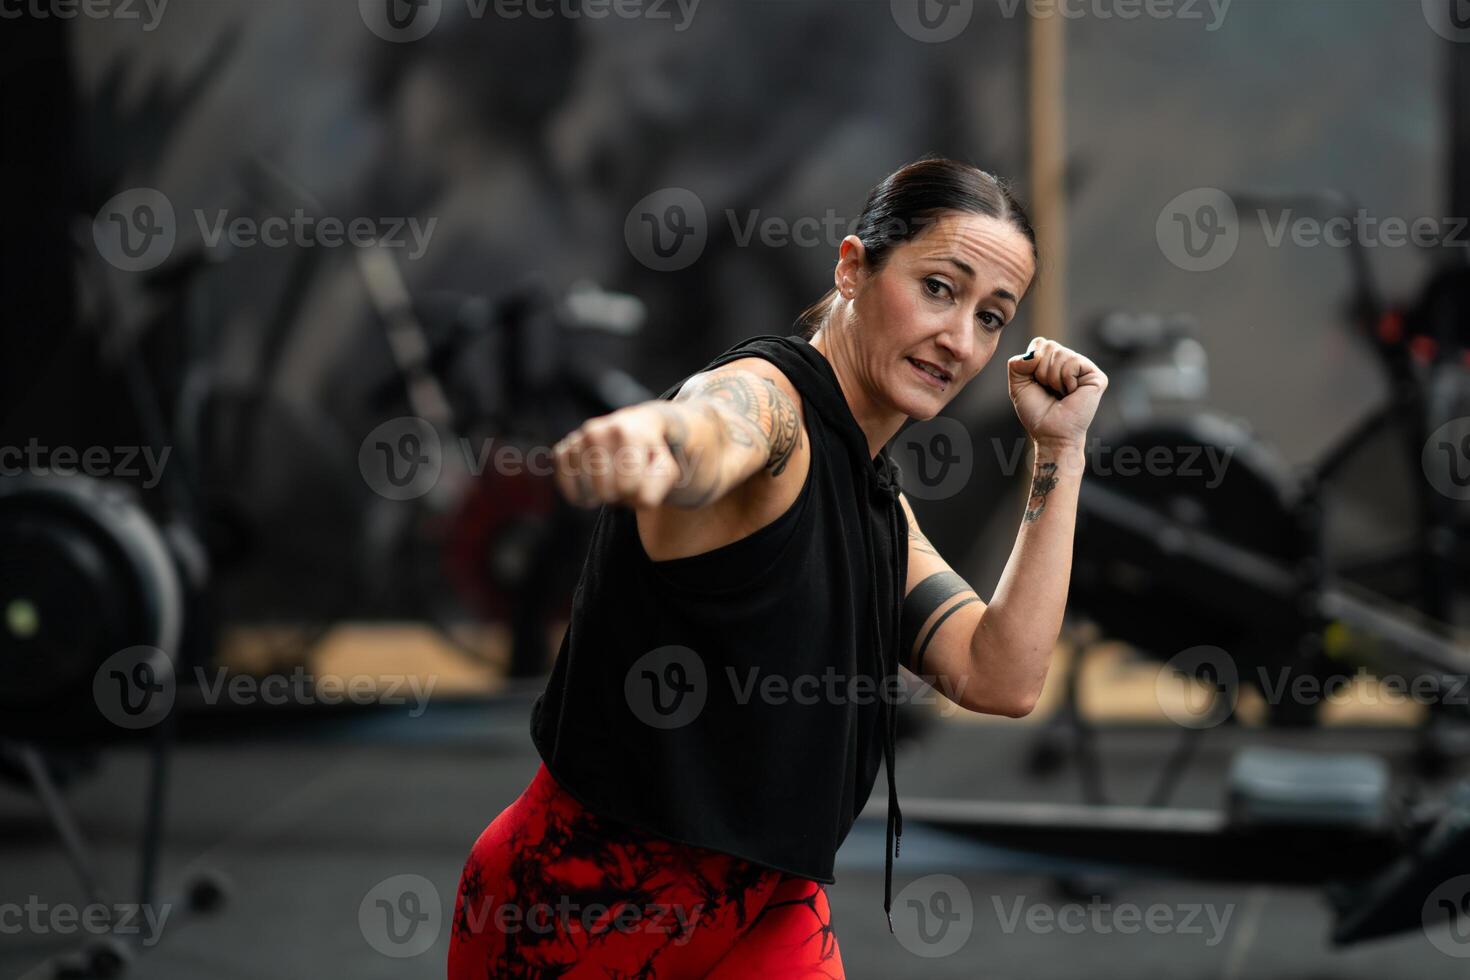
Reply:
x=921, y=603
x=919, y=653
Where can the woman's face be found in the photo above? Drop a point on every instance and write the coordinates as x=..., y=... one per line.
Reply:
x=931, y=317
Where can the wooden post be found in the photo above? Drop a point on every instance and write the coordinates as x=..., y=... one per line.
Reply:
x=1045, y=95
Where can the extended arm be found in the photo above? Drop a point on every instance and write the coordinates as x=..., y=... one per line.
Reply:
x=724, y=427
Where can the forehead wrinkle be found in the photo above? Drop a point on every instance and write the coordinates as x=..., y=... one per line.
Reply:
x=953, y=234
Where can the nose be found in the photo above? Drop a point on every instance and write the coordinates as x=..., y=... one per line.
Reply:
x=958, y=339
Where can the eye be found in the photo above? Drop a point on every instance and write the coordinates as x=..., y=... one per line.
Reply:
x=990, y=321
x=933, y=285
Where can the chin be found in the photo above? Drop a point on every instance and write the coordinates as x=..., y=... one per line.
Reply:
x=920, y=408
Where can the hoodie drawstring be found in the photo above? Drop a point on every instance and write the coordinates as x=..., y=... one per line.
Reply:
x=894, y=834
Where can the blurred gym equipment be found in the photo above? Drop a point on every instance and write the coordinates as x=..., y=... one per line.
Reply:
x=514, y=374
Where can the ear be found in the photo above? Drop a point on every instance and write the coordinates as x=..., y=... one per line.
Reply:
x=851, y=266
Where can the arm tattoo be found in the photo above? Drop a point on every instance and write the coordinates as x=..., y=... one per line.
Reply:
x=920, y=543
x=919, y=653
x=752, y=412
x=676, y=436
x=1044, y=483
x=927, y=598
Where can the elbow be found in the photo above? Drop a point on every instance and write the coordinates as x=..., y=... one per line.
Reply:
x=1016, y=705
x=1019, y=706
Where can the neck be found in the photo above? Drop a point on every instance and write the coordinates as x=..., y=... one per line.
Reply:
x=879, y=422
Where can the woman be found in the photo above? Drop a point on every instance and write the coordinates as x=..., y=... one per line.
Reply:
x=724, y=695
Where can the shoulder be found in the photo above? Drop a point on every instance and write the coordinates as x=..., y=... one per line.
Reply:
x=747, y=379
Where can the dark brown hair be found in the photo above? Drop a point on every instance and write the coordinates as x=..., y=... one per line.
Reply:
x=906, y=201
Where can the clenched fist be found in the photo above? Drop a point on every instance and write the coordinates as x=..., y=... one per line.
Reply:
x=626, y=457
x=1056, y=392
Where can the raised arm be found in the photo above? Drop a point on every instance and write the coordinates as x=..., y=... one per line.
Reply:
x=994, y=658
x=726, y=428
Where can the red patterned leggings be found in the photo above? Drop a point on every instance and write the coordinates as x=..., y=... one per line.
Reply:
x=552, y=890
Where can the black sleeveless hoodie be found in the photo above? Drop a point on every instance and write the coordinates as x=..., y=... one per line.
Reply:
x=742, y=699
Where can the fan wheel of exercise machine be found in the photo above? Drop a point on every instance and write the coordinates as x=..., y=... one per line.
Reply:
x=1201, y=473
x=84, y=575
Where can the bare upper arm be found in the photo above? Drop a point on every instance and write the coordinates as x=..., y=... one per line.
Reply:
x=940, y=615
x=765, y=450
x=761, y=409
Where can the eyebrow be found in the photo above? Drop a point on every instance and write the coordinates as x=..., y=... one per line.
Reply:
x=965, y=268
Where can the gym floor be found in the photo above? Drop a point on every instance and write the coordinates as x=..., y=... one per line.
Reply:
x=304, y=826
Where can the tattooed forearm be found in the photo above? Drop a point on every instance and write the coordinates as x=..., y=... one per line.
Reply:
x=694, y=487
x=1042, y=484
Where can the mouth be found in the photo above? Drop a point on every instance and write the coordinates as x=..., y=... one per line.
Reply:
x=931, y=374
